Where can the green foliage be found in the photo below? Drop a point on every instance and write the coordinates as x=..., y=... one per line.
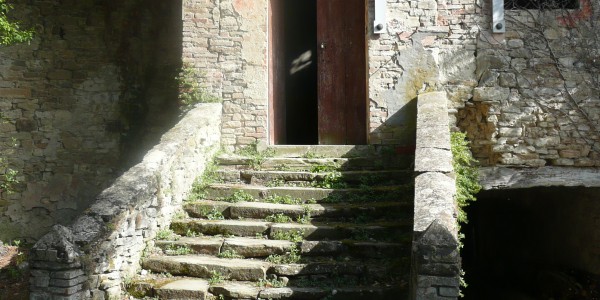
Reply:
x=467, y=176
x=229, y=254
x=11, y=32
x=278, y=218
x=178, y=250
x=190, y=90
x=207, y=178
x=306, y=217
x=8, y=178
x=291, y=257
x=211, y=213
x=216, y=277
x=324, y=168
x=256, y=158
x=295, y=236
x=271, y=283
x=238, y=196
x=311, y=154
x=331, y=180
x=165, y=234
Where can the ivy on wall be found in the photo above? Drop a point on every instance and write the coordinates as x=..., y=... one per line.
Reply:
x=10, y=31
x=467, y=174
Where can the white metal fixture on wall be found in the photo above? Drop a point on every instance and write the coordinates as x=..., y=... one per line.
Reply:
x=498, y=25
x=380, y=11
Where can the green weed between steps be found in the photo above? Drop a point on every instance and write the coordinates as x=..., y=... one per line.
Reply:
x=178, y=250
x=216, y=277
x=211, y=213
x=237, y=196
x=278, y=218
x=271, y=283
x=291, y=257
x=166, y=234
x=295, y=236
x=331, y=180
x=255, y=157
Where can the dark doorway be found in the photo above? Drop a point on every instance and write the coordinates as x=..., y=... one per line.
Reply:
x=318, y=72
x=299, y=49
x=533, y=244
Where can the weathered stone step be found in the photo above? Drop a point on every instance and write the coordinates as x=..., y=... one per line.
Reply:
x=249, y=290
x=338, y=150
x=185, y=288
x=262, y=177
x=338, y=231
x=199, y=289
x=316, y=231
x=202, y=266
x=246, y=247
x=252, y=247
x=221, y=227
x=353, y=163
x=261, y=210
x=380, y=193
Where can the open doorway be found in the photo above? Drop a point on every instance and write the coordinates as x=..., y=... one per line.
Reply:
x=318, y=77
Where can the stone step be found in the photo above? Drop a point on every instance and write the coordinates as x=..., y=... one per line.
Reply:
x=199, y=289
x=203, y=266
x=261, y=210
x=253, y=247
x=266, y=177
x=315, y=231
x=381, y=193
x=250, y=228
x=383, y=231
x=338, y=150
x=249, y=290
x=185, y=288
x=288, y=163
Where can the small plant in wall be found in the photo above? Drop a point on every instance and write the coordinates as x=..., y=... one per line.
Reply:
x=467, y=180
x=190, y=90
x=467, y=174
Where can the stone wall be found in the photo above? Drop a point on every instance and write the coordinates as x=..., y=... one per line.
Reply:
x=76, y=99
x=428, y=44
x=226, y=42
x=536, y=102
x=91, y=257
x=436, y=263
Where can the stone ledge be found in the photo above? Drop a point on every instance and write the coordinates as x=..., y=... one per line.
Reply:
x=516, y=178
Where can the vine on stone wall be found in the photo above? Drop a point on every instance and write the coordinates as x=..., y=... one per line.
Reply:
x=11, y=32
x=190, y=90
x=467, y=174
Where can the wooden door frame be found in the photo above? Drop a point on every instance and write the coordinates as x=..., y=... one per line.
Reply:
x=276, y=73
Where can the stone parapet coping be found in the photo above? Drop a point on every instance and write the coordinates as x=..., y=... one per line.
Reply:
x=519, y=178
x=91, y=257
x=435, y=271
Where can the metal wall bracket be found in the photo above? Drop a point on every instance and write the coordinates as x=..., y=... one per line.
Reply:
x=498, y=24
x=380, y=21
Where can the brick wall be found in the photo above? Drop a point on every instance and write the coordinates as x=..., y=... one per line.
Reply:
x=94, y=85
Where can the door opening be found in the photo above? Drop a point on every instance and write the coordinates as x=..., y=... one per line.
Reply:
x=318, y=72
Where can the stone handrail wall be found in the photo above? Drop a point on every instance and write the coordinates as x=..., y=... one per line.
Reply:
x=90, y=258
x=435, y=250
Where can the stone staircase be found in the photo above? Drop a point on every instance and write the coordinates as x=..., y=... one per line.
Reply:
x=290, y=222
